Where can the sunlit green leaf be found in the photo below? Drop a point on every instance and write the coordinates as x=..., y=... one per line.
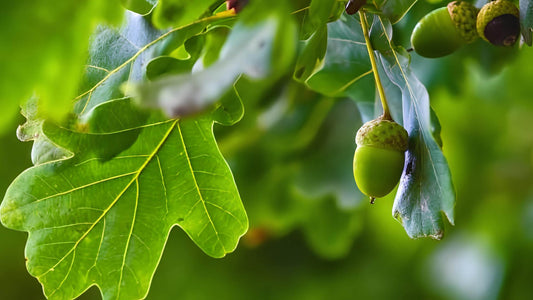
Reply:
x=113, y=180
x=104, y=213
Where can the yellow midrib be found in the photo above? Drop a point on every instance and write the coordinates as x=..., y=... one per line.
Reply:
x=104, y=213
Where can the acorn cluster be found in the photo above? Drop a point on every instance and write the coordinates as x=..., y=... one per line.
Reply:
x=444, y=30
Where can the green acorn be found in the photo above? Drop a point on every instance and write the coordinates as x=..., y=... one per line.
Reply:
x=498, y=23
x=379, y=157
x=444, y=30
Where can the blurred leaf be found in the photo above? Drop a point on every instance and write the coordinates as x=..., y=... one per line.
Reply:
x=214, y=41
x=166, y=65
x=326, y=166
x=331, y=230
x=319, y=13
x=43, y=149
x=43, y=51
x=201, y=50
x=378, y=37
x=394, y=10
x=346, y=59
x=116, y=56
x=142, y=7
x=435, y=127
x=325, y=180
x=299, y=166
x=176, y=13
x=231, y=109
x=104, y=214
x=253, y=50
x=311, y=54
x=426, y=188
x=119, y=56
x=526, y=20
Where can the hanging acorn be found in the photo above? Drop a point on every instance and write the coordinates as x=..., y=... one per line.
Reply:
x=446, y=29
x=379, y=157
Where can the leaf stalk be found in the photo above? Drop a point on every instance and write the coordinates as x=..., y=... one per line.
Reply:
x=379, y=85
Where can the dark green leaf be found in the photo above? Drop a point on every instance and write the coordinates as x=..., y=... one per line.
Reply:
x=312, y=54
x=394, y=10
x=426, y=190
x=319, y=13
x=231, y=109
x=116, y=56
x=526, y=20
x=253, y=50
x=141, y=7
x=378, y=37
x=176, y=13
x=346, y=59
x=127, y=52
x=327, y=168
x=329, y=229
x=435, y=127
x=167, y=65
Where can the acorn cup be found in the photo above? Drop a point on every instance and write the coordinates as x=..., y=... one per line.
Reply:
x=498, y=23
x=446, y=29
x=379, y=157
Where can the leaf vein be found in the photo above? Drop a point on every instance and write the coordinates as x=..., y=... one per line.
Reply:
x=415, y=100
x=163, y=183
x=126, y=248
x=225, y=210
x=66, y=275
x=74, y=189
x=141, y=50
x=104, y=213
x=199, y=190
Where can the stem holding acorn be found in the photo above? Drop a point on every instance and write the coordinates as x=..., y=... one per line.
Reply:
x=379, y=86
x=381, y=143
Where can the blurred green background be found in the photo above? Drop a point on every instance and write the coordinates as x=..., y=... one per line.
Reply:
x=482, y=96
x=488, y=140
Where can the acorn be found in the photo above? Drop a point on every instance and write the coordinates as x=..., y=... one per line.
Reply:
x=444, y=30
x=379, y=158
x=498, y=23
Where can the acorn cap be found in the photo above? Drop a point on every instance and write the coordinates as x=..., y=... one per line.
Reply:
x=498, y=23
x=383, y=134
x=464, y=16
